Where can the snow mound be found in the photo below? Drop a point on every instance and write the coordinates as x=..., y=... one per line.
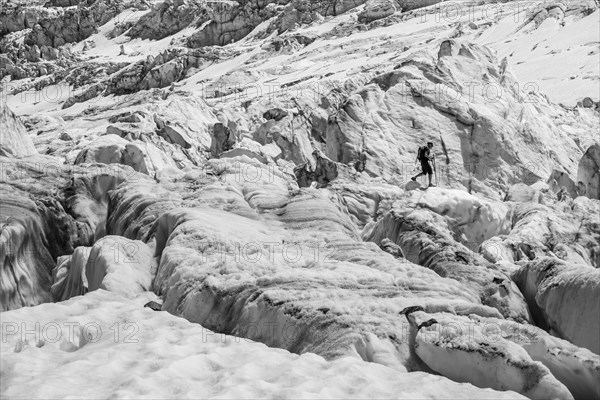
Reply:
x=120, y=265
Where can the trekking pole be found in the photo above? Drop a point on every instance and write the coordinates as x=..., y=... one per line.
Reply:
x=435, y=172
x=445, y=149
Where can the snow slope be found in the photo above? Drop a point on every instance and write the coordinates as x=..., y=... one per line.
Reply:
x=133, y=352
x=559, y=57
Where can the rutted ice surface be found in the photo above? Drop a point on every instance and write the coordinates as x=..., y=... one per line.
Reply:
x=531, y=360
x=565, y=298
x=431, y=232
x=500, y=364
x=563, y=230
x=133, y=352
x=478, y=219
x=238, y=254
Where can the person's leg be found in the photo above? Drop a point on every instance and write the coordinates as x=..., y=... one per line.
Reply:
x=427, y=168
x=414, y=178
x=424, y=171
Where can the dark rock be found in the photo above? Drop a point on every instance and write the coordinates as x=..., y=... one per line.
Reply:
x=244, y=152
x=589, y=172
x=168, y=18
x=392, y=248
x=275, y=113
x=587, y=103
x=325, y=171
x=411, y=309
x=223, y=139
x=153, y=305
x=65, y=136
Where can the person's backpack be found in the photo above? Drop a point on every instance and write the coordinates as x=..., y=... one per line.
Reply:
x=421, y=153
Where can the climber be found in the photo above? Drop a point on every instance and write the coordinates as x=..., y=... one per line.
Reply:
x=424, y=157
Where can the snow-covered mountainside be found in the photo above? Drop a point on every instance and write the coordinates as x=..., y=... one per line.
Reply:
x=214, y=199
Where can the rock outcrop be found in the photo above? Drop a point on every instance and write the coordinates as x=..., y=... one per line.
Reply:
x=167, y=18
x=589, y=172
x=223, y=139
x=376, y=9
x=230, y=21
